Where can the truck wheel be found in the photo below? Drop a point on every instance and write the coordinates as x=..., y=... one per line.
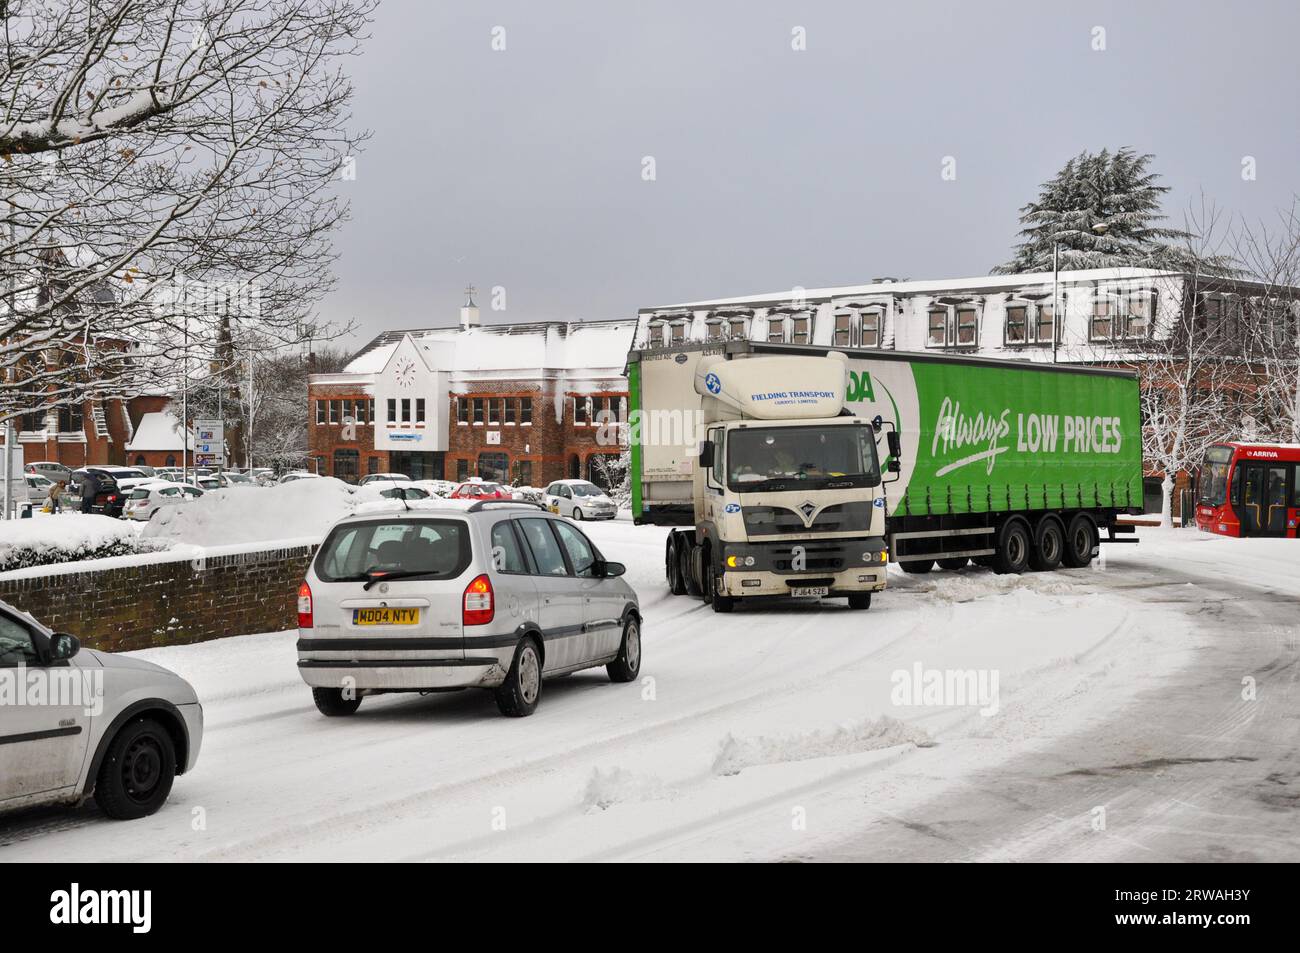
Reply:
x=330, y=702
x=522, y=690
x=956, y=562
x=673, y=567
x=627, y=666
x=137, y=772
x=860, y=600
x=1080, y=540
x=1013, y=548
x=918, y=567
x=689, y=554
x=1049, y=543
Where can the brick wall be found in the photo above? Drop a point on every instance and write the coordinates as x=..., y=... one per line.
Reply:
x=175, y=602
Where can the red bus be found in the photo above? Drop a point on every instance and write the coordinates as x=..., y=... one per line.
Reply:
x=1250, y=489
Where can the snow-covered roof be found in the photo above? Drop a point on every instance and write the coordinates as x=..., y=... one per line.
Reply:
x=929, y=286
x=159, y=430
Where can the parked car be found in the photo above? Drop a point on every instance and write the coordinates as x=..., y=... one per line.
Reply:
x=124, y=747
x=148, y=498
x=439, y=488
x=297, y=475
x=389, y=490
x=38, y=489
x=481, y=490
x=109, y=498
x=54, y=472
x=580, y=500
x=146, y=470
x=377, y=477
x=408, y=600
x=127, y=478
x=262, y=475
x=529, y=494
x=235, y=478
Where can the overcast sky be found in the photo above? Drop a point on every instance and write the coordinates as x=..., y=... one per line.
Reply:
x=523, y=168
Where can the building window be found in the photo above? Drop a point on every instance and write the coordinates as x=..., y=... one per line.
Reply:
x=737, y=329
x=345, y=465
x=70, y=419
x=478, y=410
x=360, y=411
x=462, y=410
x=1138, y=315
x=406, y=410
x=334, y=411
x=35, y=421
x=493, y=466
x=581, y=412
x=419, y=410
x=347, y=412
x=801, y=332
x=714, y=331
x=494, y=412
x=1017, y=324
x=1102, y=320
x=967, y=327
x=320, y=412
x=462, y=470
x=938, y=336
x=871, y=328
x=844, y=328
x=776, y=329
x=370, y=410
x=171, y=459
x=511, y=410
x=525, y=411
x=523, y=473
x=392, y=411
x=679, y=332
x=1044, y=325
x=655, y=336
x=372, y=464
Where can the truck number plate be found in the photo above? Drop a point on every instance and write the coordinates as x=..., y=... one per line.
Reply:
x=809, y=590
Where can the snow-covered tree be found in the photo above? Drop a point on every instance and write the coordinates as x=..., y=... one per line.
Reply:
x=156, y=155
x=1104, y=210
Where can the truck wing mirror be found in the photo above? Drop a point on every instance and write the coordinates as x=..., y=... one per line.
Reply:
x=895, y=444
x=894, y=465
x=706, y=454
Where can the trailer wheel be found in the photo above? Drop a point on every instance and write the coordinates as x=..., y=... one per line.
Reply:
x=956, y=562
x=1080, y=540
x=673, y=566
x=918, y=567
x=1049, y=545
x=1013, y=547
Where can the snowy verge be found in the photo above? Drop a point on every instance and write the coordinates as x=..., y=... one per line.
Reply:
x=69, y=537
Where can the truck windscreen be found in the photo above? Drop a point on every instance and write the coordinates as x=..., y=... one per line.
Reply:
x=801, y=458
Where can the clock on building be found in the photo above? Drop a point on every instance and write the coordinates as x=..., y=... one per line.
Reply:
x=405, y=372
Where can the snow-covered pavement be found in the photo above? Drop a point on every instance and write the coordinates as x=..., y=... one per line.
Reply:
x=1118, y=731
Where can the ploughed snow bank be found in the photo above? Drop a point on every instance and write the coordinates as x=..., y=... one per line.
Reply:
x=67, y=537
x=250, y=514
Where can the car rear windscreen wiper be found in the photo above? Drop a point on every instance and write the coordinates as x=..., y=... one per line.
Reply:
x=383, y=575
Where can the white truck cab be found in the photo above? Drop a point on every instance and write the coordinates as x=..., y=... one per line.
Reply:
x=787, y=488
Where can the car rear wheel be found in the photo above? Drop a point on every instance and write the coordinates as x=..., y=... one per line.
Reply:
x=577, y=513
x=137, y=772
x=627, y=666
x=332, y=701
x=522, y=690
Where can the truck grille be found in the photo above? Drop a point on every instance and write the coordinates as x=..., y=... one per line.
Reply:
x=817, y=557
x=779, y=520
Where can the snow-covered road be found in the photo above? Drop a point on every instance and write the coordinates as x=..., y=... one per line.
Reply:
x=1118, y=731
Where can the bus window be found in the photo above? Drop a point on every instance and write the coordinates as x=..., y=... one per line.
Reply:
x=1214, y=477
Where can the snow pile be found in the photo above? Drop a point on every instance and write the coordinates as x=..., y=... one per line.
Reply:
x=737, y=754
x=618, y=786
x=248, y=514
x=67, y=537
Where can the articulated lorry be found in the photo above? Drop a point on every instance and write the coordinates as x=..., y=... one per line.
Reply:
x=1015, y=465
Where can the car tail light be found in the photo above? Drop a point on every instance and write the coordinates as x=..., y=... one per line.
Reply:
x=479, y=609
x=304, y=606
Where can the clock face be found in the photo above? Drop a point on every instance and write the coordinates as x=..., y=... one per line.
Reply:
x=405, y=372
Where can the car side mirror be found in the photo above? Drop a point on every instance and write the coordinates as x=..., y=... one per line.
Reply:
x=612, y=569
x=63, y=646
x=706, y=454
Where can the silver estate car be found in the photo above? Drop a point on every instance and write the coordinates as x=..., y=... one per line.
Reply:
x=448, y=594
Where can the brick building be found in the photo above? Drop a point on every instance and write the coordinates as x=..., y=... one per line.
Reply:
x=100, y=431
x=525, y=403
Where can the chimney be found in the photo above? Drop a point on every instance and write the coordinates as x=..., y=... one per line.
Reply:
x=469, y=311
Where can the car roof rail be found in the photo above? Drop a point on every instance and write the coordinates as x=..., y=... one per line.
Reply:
x=478, y=505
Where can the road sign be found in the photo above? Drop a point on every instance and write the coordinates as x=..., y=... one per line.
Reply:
x=209, y=443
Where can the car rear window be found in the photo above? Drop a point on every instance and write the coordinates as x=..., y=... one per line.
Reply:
x=435, y=549
x=140, y=494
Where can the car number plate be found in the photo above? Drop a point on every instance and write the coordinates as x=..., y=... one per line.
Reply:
x=554, y=508
x=385, y=616
x=809, y=590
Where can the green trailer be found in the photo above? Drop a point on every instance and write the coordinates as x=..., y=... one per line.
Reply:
x=1014, y=464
